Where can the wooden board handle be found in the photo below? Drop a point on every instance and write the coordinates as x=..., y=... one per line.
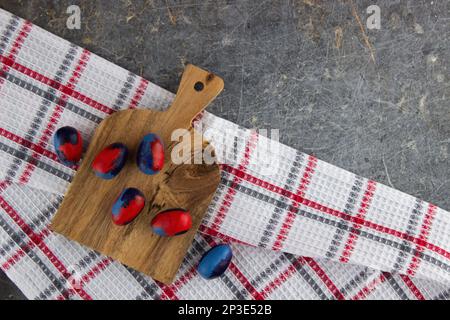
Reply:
x=197, y=89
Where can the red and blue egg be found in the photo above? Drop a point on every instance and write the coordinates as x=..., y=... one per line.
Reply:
x=171, y=222
x=150, y=156
x=108, y=162
x=68, y=145
x=127, y=206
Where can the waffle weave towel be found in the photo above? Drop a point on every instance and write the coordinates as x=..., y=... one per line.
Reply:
x=300, y=227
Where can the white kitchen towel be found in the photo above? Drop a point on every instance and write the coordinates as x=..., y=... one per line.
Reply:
x=300, y=227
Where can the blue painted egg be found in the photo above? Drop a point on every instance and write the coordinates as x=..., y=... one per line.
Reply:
x=127, y=206
x=68, y=145
x=150, y=156
x=108, y=162
x=215, y=261
x=171, y=222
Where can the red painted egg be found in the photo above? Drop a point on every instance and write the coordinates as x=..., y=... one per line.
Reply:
x=150, y=155
x=68, y=145
x=171, y=222
x=127, y=206
x=108, y=162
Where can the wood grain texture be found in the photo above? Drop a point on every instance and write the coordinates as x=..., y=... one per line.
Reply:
x=85, y=214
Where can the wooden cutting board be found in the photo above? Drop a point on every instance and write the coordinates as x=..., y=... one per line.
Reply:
x=85, y=214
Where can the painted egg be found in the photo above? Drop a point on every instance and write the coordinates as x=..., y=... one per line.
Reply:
x=127, y=206
x=68, y=145
x=215, y=261
x=108, y=162
x=171, y=222
x=150, y=156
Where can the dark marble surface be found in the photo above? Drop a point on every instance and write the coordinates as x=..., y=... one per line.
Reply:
x=8, y=290
x=371, y=101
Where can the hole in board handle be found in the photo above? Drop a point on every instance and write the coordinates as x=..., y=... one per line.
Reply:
x=198, y=86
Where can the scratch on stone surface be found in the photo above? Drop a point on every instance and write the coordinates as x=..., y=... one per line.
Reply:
x=437, y=189
x=418, y=28
x=86, y=40
x=130, y=17
x=412, y=145
x=172, y=17
x=431, y=58
x=401, y=104
x=311, y=3
x=363, y=32
x=241, y=97
x=183, y=62
x=338, y=35
x=245, y=20
x=387, y=172
x=315, y=24
x=116, y=56
x=53, y=19
x=327, y=74
x=422, y=105
x=444, y=151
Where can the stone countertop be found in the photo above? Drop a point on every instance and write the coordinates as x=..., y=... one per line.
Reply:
x=374, y=102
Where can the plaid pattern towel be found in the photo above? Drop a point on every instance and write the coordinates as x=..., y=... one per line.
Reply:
x=300, y=228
